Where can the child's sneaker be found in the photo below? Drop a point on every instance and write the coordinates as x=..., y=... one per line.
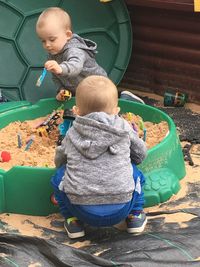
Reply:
x=131, y=97
x=74, y=227
x=136, y=223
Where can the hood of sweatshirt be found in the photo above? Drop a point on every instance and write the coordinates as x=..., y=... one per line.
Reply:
x=78, y=42
x=96, y=133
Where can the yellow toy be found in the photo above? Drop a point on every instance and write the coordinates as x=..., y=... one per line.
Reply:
x=50, y=123
x=42, y=131
x=67, y=95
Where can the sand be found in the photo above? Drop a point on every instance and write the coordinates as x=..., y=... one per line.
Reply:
x=42, y=151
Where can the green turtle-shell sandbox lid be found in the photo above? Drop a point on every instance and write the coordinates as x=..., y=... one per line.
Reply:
x=22, y=55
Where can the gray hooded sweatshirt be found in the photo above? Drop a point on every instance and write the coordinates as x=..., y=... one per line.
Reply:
x=98, y=150
x=77, y=60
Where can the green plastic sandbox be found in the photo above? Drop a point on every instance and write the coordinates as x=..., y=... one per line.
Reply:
x=27, y=190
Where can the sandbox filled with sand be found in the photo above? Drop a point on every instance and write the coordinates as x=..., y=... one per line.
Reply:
x=42, y=150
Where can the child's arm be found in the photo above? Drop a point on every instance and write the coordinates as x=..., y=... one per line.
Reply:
x=72, y=63
x=60, y=155
x=57, y=82
x=138, y=149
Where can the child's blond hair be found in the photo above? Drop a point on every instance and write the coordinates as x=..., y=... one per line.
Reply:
x=95, y=94
x=57, y=13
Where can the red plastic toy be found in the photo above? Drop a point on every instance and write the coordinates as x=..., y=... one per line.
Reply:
x=5, y=156
x=53, y=199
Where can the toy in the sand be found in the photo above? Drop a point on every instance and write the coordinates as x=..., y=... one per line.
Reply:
x=137, y=124
x=29, y=143
x=19, y=140
x=141, y=123
x=5, y=156
x=53, y=120
x=41, y=78
x=68, y=118
x=144, y=134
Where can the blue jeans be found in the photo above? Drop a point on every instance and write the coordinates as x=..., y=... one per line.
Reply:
x=100, y=215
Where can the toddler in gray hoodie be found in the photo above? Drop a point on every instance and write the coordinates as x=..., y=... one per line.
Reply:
x=97, y=181
x=71, y=57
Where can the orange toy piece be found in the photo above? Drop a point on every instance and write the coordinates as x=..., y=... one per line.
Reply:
x=53, y=199
x=5, y=156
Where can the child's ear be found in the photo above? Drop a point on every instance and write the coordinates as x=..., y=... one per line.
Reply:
x=116, y=110
x=69, y=34
x=75, y=110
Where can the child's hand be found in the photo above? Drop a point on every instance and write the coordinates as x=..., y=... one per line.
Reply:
x=60, y=96
x=63, y=95
x=53, y=66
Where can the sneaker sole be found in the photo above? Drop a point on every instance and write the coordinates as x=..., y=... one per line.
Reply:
x=75, y=235
x=138, y=229
x=130, y=94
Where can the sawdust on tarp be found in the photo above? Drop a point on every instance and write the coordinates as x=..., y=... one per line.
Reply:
x=25, y=224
